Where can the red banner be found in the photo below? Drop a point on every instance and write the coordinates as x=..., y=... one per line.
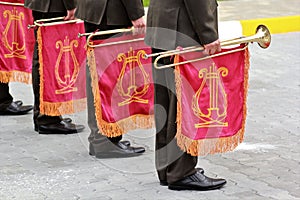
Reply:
x=122, y=85
x=211, y=101
x=17, y=43
x=62, y=58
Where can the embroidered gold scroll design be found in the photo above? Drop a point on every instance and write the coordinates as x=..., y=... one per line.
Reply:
x=216, y=113
x=14, y=26
x=133, y=92
x=68, y=80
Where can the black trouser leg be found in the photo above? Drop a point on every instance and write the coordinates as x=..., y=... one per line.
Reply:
x=5, y=96
x=38, y=118
x=172, y=164
x=95, y=138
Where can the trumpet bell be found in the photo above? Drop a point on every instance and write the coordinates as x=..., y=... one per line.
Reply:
x=264, y=40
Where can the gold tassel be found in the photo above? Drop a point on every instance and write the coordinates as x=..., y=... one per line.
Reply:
x=15, y=76
x=62, y=108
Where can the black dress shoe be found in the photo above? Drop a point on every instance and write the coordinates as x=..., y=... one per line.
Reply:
x=117, y=150
x=67, y=120
x=19, y=103
x=92, y=151
x=16, y=108
x=197, y=181
x=125, y=142
x=60, y=128
x=127, y=148
x=165, y=183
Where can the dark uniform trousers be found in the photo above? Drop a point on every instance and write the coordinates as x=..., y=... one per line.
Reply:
x=96, y=139
x=38, y=118
x=5, y=96
x=172, y=164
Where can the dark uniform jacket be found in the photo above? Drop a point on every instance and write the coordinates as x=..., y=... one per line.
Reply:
x=50, y=5
x=173, y=23
x=117, y=12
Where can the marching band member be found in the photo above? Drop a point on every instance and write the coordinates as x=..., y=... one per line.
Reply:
x=173, y=23
x=106, y=15
x=45, y=9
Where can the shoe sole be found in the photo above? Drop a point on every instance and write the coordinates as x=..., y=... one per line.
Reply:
x=56, y=132
x=47, y=132
x=176, y=187
x=67, y=120
x=163, y=183
x=103, y=155
x=13, y=114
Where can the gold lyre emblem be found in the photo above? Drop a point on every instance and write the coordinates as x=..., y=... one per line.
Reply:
x=217, y=110
x=68, y=80
x=14, y=24
x=132, y=63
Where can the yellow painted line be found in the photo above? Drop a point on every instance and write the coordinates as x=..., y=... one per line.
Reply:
x=275, y=25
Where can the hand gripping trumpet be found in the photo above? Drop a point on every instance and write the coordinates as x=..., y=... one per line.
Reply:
x=262, y=37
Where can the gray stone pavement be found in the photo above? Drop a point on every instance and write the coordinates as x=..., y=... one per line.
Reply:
x=264, y=166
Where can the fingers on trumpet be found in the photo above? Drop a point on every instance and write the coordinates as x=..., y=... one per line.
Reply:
x=212, y=47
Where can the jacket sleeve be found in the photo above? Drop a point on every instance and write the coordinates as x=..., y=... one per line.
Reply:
x=204, y=17
x=134, y=8
x=70, y=4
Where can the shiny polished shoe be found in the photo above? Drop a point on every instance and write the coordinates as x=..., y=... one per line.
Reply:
x=117, y=150
x=165, y=183
x=92, y=151
x=127, y=148
x=67, y=120
x=125, y=142
x=60, y=128
x=16, y=108
x=197, y=181
x=19, y=103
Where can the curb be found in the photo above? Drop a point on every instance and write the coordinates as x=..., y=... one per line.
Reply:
x=275, y=25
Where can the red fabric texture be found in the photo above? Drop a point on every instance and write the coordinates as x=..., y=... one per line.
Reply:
x=124, y=86
x=17, y=43
x=63, y=59
x=212, y=95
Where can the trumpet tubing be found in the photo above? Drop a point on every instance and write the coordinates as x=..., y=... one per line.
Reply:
x=262, y=37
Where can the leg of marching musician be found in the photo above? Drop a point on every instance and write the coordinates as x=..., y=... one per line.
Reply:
x=45, y=124
x=100, y=145
x=172, y=24
x=172, y=164
x=8, y=106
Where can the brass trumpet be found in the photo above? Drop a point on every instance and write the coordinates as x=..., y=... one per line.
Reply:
x=108, y=32
x=262, y=37
x=51, y=22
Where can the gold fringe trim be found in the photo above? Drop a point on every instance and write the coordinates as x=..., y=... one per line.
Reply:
x=214, y=145
x=62, y=108
x=41, y=70
x=15, y=76
x=125, y=125
x=122, y=126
